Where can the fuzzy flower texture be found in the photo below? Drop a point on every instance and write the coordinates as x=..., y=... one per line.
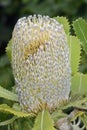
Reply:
x=40, y=61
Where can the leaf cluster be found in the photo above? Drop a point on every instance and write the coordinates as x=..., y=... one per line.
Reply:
x=78, y=97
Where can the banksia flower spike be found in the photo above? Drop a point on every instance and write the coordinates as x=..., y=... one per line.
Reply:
x=40, y=61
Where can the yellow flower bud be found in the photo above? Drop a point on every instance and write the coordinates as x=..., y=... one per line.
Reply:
x=40, y=61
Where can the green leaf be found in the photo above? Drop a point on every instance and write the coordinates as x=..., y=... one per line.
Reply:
x=79, y=103
x=74, y=49
x=84, y=120
x=57, y=114
x=80, y=27
x=43, y=121
x=8, y=121
x=4, y=93
x=16, y=112
x=64, y=22
x=79, y=83
x=9, y=49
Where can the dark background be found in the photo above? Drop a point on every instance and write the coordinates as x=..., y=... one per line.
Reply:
x=12, y=10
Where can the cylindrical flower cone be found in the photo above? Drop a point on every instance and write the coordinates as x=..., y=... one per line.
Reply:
x=40, y=61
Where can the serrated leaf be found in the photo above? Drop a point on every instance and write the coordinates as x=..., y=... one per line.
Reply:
x=79, y=83
x=16, y=112
x=80, y=27
x=43, y=121
x=8, y=50
x=64, y=22
x=4, y=93
x=74, y=50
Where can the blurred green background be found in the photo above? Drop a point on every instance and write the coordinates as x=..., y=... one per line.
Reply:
x=12, y=10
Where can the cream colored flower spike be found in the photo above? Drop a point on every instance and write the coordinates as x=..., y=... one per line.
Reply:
x=40, y=61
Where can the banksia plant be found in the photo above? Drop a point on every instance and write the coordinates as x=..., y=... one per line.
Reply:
x=40, y=62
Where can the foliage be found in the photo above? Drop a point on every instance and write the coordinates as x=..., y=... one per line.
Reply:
x=43, y=121
x=11, y=10
x=15, y=111
x=80, y=27
x=6, y=76
x=64, y=22
x=75, y=50
x=73, y=43
x=78, y=96
x=7, y=94
x=79, y=83
x=8, y=50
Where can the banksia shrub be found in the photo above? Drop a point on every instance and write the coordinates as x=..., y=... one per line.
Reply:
x=40, y=61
